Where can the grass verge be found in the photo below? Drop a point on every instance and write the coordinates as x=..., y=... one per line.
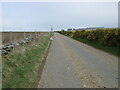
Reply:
x=21, y=67
x=112, y=50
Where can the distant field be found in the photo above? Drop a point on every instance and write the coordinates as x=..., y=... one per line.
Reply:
x=8, y=37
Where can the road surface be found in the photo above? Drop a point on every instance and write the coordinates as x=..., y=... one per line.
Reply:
x=71, y=64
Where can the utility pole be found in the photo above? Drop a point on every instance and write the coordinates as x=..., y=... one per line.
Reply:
x=51, y=31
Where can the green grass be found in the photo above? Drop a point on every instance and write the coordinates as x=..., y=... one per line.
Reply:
x=113, y=50
x=20, y=67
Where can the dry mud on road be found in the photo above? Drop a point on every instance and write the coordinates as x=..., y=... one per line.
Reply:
x=71, y=64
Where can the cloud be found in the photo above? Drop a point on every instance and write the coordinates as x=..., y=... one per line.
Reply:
x=41, y=15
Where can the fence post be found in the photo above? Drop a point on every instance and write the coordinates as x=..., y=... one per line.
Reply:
x=10, y=36
x=24, y=35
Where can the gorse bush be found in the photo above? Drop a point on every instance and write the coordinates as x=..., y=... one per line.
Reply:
x=67, y=33
x=107, y=37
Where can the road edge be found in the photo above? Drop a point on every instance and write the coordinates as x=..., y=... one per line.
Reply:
x=41, y=66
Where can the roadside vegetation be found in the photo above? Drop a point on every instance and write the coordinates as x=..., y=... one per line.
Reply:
x=104, y=39
x=21, y=67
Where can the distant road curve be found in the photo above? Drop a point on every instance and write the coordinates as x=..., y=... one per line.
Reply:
x=71, y=64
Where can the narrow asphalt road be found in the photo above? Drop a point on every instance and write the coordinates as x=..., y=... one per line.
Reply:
x=71, y=64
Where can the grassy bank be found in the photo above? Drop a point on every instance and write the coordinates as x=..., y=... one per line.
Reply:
x=113, y=50
x=21, y=67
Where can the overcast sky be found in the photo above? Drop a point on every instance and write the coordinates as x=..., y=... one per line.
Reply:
x=61, y=15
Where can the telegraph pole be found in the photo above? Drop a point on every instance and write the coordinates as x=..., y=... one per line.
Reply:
x=51, y=30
